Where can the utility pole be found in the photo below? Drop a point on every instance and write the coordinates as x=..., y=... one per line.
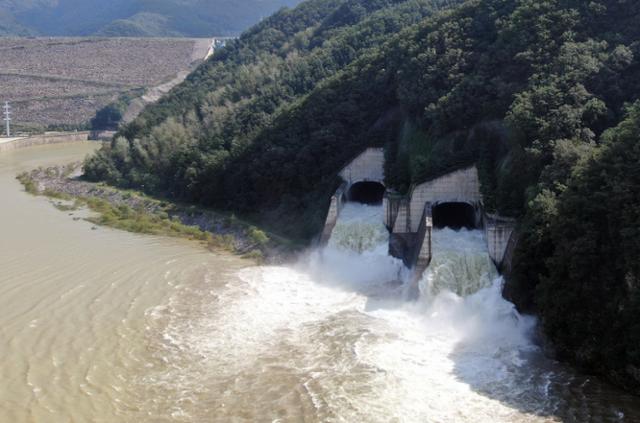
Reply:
x=7, y=117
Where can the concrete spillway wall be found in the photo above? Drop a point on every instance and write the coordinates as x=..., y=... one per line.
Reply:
x=367, y=167
x=43, y=139
x=409, y=218
x=337, y=201
x=499, y=232
x=462, y=186
x=410, y=221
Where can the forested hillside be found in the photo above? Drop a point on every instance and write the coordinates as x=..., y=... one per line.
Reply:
x=133, y=18
x=538, y=94
x=255, y=94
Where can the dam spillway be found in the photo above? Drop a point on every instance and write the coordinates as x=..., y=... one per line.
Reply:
x=105, y=325
x=459, y=338
x=410, y=218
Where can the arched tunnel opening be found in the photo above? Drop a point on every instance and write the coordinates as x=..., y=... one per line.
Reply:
x=454, y=215
x=366, y=192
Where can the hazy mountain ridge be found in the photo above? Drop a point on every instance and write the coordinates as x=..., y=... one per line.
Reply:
x=189, y=18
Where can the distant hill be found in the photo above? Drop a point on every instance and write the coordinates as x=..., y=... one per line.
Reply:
x=135, y=18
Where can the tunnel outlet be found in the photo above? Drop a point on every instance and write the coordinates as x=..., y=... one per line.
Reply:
x=366, y=192
x=454, y=215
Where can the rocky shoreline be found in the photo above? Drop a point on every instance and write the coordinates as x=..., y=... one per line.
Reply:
x=136, y=212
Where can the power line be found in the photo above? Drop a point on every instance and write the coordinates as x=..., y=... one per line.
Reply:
x=7, y=118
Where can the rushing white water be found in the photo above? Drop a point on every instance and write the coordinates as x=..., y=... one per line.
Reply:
x=106, y=326
x=334, y=339
x=460, y=264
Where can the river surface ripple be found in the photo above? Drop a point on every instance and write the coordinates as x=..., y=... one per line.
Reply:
x=106, y=326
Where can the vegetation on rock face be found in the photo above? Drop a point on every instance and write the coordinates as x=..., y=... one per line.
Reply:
x=528, y=90
x=111, y=115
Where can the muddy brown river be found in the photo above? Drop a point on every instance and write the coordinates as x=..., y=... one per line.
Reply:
x=99, y=325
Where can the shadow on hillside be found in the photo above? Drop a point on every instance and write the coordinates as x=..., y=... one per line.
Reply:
x=502, y=364
x=530, y=383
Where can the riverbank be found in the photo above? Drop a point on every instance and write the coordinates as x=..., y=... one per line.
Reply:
x=44, y=139
x=135, y=212
x=81, y=309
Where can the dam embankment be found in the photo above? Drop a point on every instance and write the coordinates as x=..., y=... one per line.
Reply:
x=47, y=138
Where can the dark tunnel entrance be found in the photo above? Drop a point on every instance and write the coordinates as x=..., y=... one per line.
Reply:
x=454, y=215
x=366, y=192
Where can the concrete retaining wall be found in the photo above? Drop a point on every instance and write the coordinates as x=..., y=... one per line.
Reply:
x=507, y=261
x=402, y=223
x=423, y=248
x=101, y=135
x=368, y=166
x=498, y=232
x=462, y=186
x=46, y=138
x=337, y=201
x=410, y=218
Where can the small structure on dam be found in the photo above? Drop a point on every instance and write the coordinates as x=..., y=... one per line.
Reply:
x=363, y=182
x=452, y=200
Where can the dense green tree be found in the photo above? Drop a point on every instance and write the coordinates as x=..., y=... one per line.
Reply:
x=590, y=300
x=527, y=90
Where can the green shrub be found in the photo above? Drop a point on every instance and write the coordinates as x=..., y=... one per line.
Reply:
x=258, y=236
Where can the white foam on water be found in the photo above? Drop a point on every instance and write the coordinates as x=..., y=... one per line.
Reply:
x=333, y=339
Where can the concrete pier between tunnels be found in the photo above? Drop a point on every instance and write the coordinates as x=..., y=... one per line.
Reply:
x=453, y=200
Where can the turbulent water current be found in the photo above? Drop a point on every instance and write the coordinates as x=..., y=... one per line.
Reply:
x=98, y=325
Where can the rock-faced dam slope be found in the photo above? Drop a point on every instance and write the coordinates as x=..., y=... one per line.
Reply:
x=63, y=82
